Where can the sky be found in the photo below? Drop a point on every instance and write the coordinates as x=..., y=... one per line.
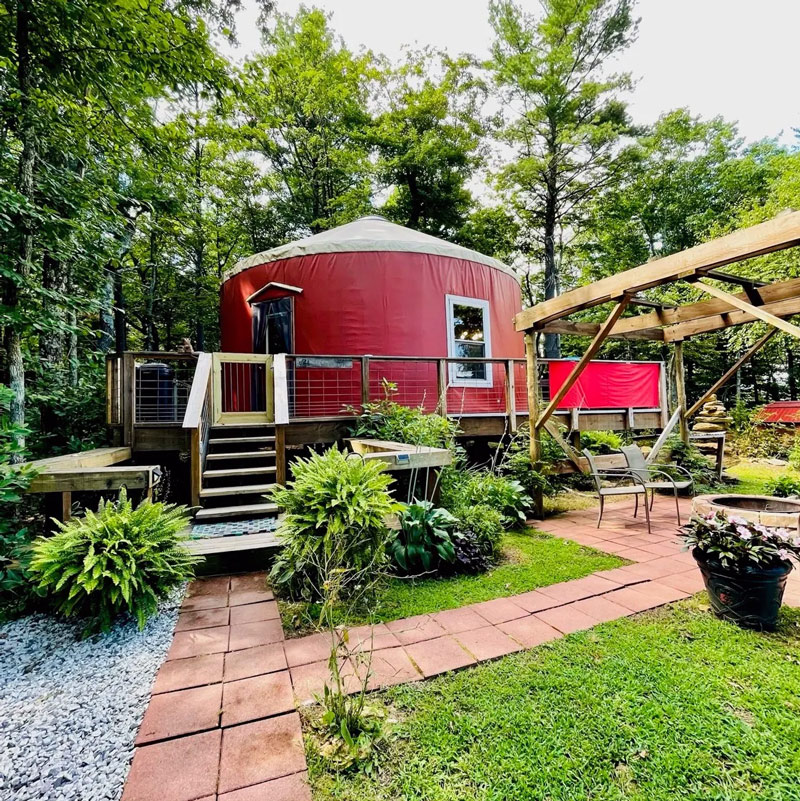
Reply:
x=735, y=58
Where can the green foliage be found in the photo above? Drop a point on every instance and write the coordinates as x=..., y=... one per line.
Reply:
x=794, y=453
x=118, y=560
x=14, y=480
x=424, y=539
x=477, y=539
x=786, y=486
x=754, y=441
x=515, y=462
x=461, y=489
x=690, y=458
x=600, y=442
x=335, y=519
x=388, y=420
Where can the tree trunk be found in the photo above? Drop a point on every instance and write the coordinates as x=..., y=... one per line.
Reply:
x=120, y=323
x=107, y=312
x=51, y=344
x=552, y=342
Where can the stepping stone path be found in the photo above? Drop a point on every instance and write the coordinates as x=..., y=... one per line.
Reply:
x=222, y=724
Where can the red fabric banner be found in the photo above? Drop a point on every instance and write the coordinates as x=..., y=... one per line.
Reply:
x=608, y=385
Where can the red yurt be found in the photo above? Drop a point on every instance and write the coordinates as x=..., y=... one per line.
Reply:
x=375, y=288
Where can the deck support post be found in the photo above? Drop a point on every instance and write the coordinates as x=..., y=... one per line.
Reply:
x=511, y=396
x=532, y=375
x=280, y=455
x=441, y=387
x=680, y=389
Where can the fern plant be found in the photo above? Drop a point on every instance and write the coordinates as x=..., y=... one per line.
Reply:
x=335, y=521
x=119, y=559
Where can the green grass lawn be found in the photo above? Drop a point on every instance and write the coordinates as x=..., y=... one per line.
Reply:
x=530, y=560
x=753, y=477
x=673, y=704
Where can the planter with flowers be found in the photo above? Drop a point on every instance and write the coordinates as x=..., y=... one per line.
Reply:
x=744, y=566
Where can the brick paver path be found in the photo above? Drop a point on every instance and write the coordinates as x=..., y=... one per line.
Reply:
x=222, y=723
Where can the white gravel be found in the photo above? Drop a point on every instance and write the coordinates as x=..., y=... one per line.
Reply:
x=70, y=708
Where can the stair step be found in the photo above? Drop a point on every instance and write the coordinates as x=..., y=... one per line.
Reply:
x=239, y=471
x=229, y=426
x=237, y=440
x=246, y=510
x=240, y=455
x=245, y=489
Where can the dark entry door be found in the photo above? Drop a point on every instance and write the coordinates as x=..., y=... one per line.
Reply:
x=272, y=326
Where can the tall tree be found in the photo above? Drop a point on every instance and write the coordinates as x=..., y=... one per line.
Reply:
x=552, y=69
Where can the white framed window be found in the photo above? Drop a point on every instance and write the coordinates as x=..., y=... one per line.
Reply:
x=469, y=334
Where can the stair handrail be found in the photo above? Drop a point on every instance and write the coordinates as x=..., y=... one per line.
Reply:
x=198, y=419
x=280, y=390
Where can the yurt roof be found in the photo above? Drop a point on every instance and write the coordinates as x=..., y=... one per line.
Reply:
x=369, y=235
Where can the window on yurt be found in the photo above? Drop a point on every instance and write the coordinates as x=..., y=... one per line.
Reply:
x=468, y=335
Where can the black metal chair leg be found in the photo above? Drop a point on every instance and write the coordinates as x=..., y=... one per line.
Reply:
x=636, y=503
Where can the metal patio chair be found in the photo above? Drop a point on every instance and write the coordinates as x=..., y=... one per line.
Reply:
x=638, y=464
x=636, y=489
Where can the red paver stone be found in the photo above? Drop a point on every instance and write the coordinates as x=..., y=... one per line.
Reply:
x=309, y=680
x=601, y=609
x=534, y=601
x=438, y=656
x=261, y=751
x=415, y=629
x=391, y=666
x=487, y=643
x=180, y=712
x=153, y=775
x=217, y=585
x=305, y=650
x=180, y=674
x=250, y=597
x=252, y=613
x=529, y=631
x=662, y=566
x=249, y=635
x=631, y=598
x=635, y=555
x=574, y=590
x=374, y=638
x=567, y=618
x=254, y=661
x=199, y=642
x=256, y=697
x=249, y=581
x=499, y=610
x=287, y=788
x=204, y=602
x=202, y=619
x=456, y=620
x=691, y=581
x=618, y=575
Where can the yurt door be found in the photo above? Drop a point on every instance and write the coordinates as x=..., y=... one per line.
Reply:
x=242, y=388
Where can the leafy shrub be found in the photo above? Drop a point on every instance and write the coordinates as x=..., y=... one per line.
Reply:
x=461, y=489
x=390, y=421
x=118, y=560
x=601, y=442
x=470, y=553
x=424, y=538
x=690, y=458
x=786, y=486
x=485, y=524
x=335, y=510
x=516, y=462
x=754, y=441
x=794, y=454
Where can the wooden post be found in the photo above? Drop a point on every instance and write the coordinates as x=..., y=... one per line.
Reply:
x=280, y=455
x=196, y=467
x=680, y=388
x=364, y=382
x=663, y=395
x=511, y=396
x=66, y=506
x=532, y=374
x=742, y=360
x=128, y=398
x=597, y=342
x=441, y=386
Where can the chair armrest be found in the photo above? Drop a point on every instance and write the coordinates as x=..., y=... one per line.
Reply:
x=619, y=473
x=676, y=467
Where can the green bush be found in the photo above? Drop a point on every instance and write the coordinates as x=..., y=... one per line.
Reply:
x=786, y=486
x=794, y=454
x=516, y=462
x=423, y=541
x=390, y=421
x=461, y=489
x=689, y=458
x=600, y=442
x=335, y=520
x=485, y=523
x=118, y=560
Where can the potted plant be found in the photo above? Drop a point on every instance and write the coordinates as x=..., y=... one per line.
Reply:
x=744, y=566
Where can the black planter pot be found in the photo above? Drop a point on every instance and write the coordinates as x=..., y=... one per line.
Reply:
x=751, y=598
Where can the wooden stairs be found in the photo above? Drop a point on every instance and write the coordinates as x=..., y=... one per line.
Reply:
x=240, y=467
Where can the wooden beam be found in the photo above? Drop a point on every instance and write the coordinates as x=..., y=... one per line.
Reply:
x=757, y=311
x=680, y=389
x=778, y=234
x=595, y=346
x=97, y=457
x=732, y=372
x=511, y=396
x=572, y=454
x=719, y=275
x=580, y=329
x=85, y=479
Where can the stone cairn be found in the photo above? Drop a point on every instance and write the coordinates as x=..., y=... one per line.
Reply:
x=712, y=417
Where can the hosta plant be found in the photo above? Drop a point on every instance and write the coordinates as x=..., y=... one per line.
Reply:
x=738, y=544
x=119, y=559
x=424, y=538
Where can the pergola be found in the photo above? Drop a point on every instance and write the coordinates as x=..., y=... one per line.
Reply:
x=770, y=303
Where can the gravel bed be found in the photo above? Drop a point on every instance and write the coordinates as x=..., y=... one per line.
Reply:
x=70, y=708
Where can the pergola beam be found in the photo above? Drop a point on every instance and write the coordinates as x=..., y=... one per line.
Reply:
x=595, y=345
x=777, y=234
x=581, y=329
x=740, y=362
x=759, y=312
